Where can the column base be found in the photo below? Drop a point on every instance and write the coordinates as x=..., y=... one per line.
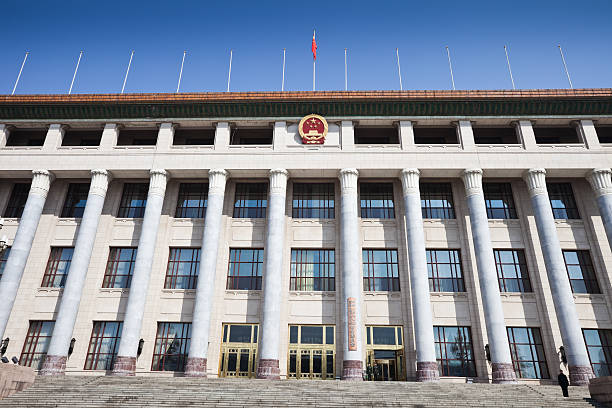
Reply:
x=352, y=370
x=427, y=371
x=580, y=375
x=54, y=365
x=503, y=373
x=124, y=367
x=267, y=369
x=195, y=367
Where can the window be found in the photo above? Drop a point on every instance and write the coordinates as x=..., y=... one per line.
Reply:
x=380, y=270
x=245, y=266
x=251, y=136
x=377, y=200
x=74, y=206
x=171, y=346
x=312, y=270
x=313, y=200
x=512, y=273
x=444, y=270
x=192, y=200
x=3, y=258
x=183, y=268
x=133, y=200
x=384, y=335
x=82, y=138
x=376, y=135
x=17, y=200
x=527, y=352
x=191, y=137
x=57, y=267
x=311, y=352
x=137, y=137
x=499, y=201
x=562, y=201
x=103, y=345
x=437, y=200
x=599, y=346
x=36, y=344
x=581, y=272
x=604, y=134
x=26, y=137
x=251, y=200
x=119, y=268
x=555, y=135
x=435, y=135
x=503, y=135
x=454, y=351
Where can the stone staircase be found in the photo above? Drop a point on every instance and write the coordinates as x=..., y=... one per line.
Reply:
x=88, y=391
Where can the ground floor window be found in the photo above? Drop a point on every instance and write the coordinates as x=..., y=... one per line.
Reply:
x=311, y=352
x=103, y=345
x=599, y=346
x=171, y=346
x=454, y=351
x=527, y=352
x=385, y=353
x=238, y=350
x=36, y=344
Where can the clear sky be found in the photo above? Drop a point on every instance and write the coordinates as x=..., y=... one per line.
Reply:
x=55, y=31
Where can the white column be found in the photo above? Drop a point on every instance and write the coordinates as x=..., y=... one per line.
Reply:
x=352, y=277
x=589, y=134
x=200, y=328
x=602, y=185
x=280, y=139
x=22, y=244
x=222, y=136
x=501, y=362
x=109, y=137
x=165, y=137
x=4, y=134
x=427, y=366
x=125, y=363
x=563, y=299
x=269, y=344
x=347, y=135
x=526, y=134
x=466, y=134
x=406, y=134
x=54, y=137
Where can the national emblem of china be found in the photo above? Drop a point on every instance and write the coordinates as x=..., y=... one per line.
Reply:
x=313, y=129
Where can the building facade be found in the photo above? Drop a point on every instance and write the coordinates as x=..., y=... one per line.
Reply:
x=412, y=235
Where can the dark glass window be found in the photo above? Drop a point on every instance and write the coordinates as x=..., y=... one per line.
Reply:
x=581, y=272
x=183, y=268
x=527, y=352
x=82, y=138
x=137, y=137
x=240, y=333
x=133, y=200
x=376, y=135
x=119, y=268
x=380, y=270
x=17, y=200
x=437, y=200
x=555, y=135
x=3, y=258
x=251, y=136
x=454, y=351
x=435, y=135
x=499, y=200
x=251, y=200
x=192, y=200
x=384, y=335
x=191, y=137
x=599, y=346
x=562, y=201
x=604, y=134
x=74, y=206
x=512, y=273
x=36, y=344
x=312, y=270
x=171, y=346
x=103, y=345
x=26, y=137
x=313, y=200
x=311, y=334
x=57, y=267
x=495, y=135
x=377, y=200
x=444, y=269
x=245, y=269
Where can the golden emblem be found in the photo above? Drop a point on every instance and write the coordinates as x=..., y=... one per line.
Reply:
x=313, y=129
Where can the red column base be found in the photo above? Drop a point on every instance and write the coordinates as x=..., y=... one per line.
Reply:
x=195, y=367
x=580, y=375
x=267, y=369
x=503, y=373
x=427, y=371
x=352, y=370
x=124, y=366
x=54, y=365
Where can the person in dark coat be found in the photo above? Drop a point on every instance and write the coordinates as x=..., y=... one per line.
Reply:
x=562, y=378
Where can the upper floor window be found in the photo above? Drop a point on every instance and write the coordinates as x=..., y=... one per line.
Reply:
x=26, y=137
x=183, y=268
x=119, y=268
x=251, y=136
x=437, y=200
x=245, y=269
x=444, y=270
x=17, y=200
x=76, y=199
x=313, y=200
x=103, y=345
x=137, y=137
x=3, y=258
x=251, y=200
x=36, y=343
x=599, y=347
x=377, y=200
x=380, y=270
x=502, y=135
x=58, y=267
x=512, y=272
x=192, y=200
x=82, y=137
x=435, y=135
x=562, y=201
x=312, y=270
x=186, y=137
x=171, y=346
x=604, y=134
x=527, y=351
x=499, y=201
x=581, y=272
x=555, y=134
x=133, y=200
x=454, y=351
x=376, y=135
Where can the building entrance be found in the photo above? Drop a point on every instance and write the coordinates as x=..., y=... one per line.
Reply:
x=311, y=352
x=238, y=350
x=385, y=353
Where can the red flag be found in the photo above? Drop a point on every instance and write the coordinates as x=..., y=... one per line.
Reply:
x=314, y=46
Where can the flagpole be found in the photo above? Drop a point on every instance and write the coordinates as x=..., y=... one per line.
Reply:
x=20, y=70
x=313, y=73
x=229, y=74
x=283, y=83
x=127, y=71
x=75, y=72
x=181, y=72
x=509, y=69
x=345, y=73
x=565, y=67
x=450, y=66
x=399, y=71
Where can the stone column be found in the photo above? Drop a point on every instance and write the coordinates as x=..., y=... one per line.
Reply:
x=125, y=363
x=200, y=328
x=352, y=277
x=427, y=366
x=273, y=257
x=57, y=354
x=501, y=362
x=20, y=250
x=602, y=185
x=563, y=299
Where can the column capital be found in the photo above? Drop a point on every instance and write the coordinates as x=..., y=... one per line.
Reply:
x=410, y=181
x=278, y=181
x=601, y=181
x=348, y=179
x=536, y=181
x=41, y=182
x=216, y=181
x=157, y=183
x=99, y=182
x=472, y=179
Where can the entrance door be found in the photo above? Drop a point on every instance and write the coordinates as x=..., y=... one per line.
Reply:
x=384, y=365
x=385, y=370
x=238, y=351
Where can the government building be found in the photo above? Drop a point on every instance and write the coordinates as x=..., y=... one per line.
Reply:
x=460, y=236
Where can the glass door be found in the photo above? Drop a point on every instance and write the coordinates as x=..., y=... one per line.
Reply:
x=238, y=351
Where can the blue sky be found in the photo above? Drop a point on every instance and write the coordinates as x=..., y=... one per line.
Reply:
x=257, y=31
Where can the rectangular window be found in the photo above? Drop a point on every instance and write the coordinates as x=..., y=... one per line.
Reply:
x=599, y=346
x=435, y=135
x=380, y=270
x=556, y=135
x=133, y=200
x=376, y=135
x=17, y=200
x=251, y=200
x=137, y=137
x=437, y=200
x=103, y=345
x=512, y=271
x=171, y=346
x=245, y=267
x=74, y=206
x=499, y=201
x=183, y=268
x=562, y=201
x=527, y=352
x=57, y=267
x=192, y=200
x=251, y=136
x=26, y=137
x=377, y=200
x=384, y=335
x=119, y=268
x=82, y=137
x=3, y=258
x=194, y=137
x=504, y=135
x=36, y=344
x=444, y=270
x=312, y=270
x=454, y=351
x=581, y=272
x=313, y=200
